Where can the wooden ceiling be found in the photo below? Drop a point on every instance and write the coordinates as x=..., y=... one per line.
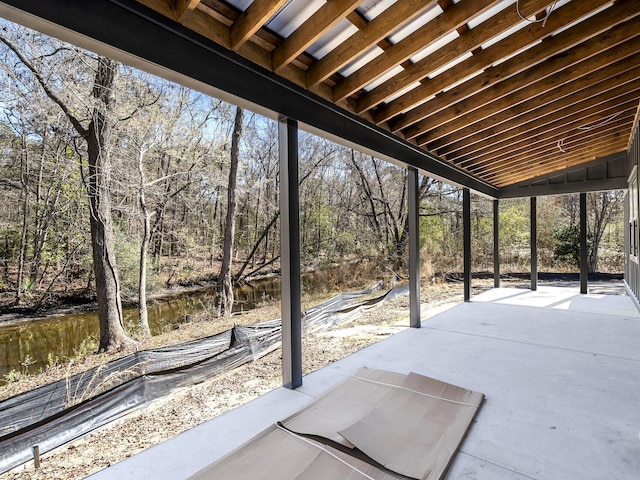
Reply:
x=504, y=90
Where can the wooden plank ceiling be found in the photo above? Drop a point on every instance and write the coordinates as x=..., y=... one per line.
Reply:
x=504, y=90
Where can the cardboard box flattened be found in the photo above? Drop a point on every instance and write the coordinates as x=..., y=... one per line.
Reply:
x=384, y=425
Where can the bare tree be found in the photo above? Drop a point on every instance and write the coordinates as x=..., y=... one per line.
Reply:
x=606, y=206
x=95, y=129
x=224, y=290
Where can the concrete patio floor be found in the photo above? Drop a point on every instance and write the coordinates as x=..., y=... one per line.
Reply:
x=560, y=371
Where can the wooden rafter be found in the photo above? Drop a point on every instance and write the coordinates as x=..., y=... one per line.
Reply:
x=367, y=36
x=252, y=20
x=468, y=41
x=481, y=60
x=534, y=8
x=569, y=92
x=182, y=6
x=554, y=132
x=544, y=56
x=550, y=153
x=455, y=16
x=322, y=21
x=543, y=124
x=581, y=60
x=492, y=101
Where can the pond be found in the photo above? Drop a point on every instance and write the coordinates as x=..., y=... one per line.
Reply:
x=33, y=345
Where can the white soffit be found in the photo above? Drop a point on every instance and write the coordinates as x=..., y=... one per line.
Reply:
x=292, y=15
x=334, y=37
x=437, y=45
x=589, y=15
x=452, y=63
x=361, y=61
x=399, y=93
x=383, y=78
x=411, y=27
x=370, y=9
x=502, y=60
x=491, y=12
x=505, y=34
x=241, y=5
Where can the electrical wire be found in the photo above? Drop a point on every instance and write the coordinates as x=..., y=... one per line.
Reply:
x=543, y=20
x=586, y=128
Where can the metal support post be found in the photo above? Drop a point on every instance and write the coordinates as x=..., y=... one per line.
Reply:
x=584, y=264
x=534, y=244
x=496, y=244
x=290, y=254
x=414, y=249
x=466, y=234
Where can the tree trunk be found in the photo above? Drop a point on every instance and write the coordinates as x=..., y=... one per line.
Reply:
x=143, y=320
x=224, y=297
x=24, y=178
x=112, y=335
x=96, y=134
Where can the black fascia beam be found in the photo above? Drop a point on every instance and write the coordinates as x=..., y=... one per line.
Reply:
x=138, y=31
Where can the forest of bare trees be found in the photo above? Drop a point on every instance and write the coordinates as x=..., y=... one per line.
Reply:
x=117, y=183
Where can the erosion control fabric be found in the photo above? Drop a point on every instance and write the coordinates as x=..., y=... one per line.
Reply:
x=54, y=414
x=375, y=425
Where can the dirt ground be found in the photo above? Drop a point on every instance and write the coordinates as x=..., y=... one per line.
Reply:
x=191, y=406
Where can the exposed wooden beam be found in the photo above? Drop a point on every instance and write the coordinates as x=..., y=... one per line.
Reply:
x=370, y=34
x=580, y=61
x=501, y=126
x=609, y=146
x=481, y=60
x=555, y=54
x=539, y=122
x=182, y=6
x=560, y=130
x=579, y=147
x=207, y=26
x=317, y=25
x=602, y=79
x=253, y=19
x=455, y=16
x=467, y=42
x=549, y=151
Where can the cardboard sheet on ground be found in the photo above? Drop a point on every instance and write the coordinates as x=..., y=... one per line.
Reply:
x=344, y=405
x=277, y=454
x=418, y=429
x=412, y=424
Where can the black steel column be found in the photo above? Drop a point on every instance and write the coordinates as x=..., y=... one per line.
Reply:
x=290, y=254
x=534, y=244
x=466, y=233
x=414, y=249
x=496, y=244
x=584, y=264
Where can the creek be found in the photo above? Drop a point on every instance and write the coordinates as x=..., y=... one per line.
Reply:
x=32, y=345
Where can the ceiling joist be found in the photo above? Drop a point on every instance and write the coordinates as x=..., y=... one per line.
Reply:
x=483, y=84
